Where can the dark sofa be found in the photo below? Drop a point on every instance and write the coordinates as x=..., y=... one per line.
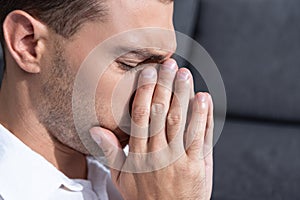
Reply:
x=256, y=46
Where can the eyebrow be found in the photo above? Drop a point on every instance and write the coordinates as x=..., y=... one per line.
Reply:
x=151, y=55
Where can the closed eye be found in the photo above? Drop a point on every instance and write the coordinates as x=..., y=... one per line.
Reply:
x=125, y=66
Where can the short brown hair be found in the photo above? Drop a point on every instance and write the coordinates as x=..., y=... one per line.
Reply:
x=63, y=16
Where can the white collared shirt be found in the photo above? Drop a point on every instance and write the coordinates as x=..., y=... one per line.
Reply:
x=26, y=175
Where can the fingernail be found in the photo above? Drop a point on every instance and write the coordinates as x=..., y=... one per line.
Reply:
x=149, y=73
x=183, y=75
x=169, y=65
x=202, y=98
x=95, y=135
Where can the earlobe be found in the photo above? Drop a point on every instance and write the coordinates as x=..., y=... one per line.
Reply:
x=24, y=38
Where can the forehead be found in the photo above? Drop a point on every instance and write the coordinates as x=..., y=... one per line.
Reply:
x=127, y=15
x=155, y=13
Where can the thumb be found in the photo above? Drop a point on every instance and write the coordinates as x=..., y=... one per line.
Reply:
x=111, y=148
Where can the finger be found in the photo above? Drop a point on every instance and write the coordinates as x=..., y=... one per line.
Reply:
x=195, y=133
x=192, y=96
x=160, y=104
x=208, y=147
x=191, y=102
x=192, y=88
x=141, y=111
x=111, y=148
x=177, y=115
x=209, y=133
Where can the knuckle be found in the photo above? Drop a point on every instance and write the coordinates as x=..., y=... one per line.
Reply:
x=200, y=122
x=158, y=108
x=139, y=113
x=174, y=119
x=165, y=81
x=146, y=87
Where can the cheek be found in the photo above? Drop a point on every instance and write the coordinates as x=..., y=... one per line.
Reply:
x=114, y=98
x=103, y=98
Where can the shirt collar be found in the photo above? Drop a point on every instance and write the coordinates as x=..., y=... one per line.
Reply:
x=24, y=174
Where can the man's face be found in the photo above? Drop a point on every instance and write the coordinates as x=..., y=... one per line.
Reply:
x=68, y=55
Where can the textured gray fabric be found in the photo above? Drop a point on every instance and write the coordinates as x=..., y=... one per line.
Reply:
x=186, y=16
x=256, y=45
x=257, y=161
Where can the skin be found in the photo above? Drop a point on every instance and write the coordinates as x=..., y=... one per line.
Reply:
x=36, y=100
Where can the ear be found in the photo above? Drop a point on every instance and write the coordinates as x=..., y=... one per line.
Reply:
x=25, y=40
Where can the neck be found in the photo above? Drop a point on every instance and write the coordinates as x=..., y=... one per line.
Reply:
x=18, y=117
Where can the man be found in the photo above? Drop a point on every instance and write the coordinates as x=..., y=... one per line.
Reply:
x=41, y=153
